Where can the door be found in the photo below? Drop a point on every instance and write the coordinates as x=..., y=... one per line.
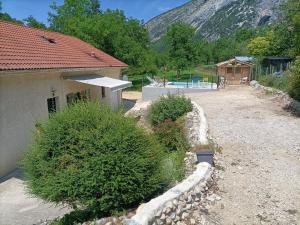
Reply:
x=233, y=75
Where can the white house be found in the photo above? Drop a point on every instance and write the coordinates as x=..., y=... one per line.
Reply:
x=41, y=72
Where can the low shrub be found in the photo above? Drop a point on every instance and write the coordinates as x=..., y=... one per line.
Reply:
x=173, y=169
x=92, y=158
x=280, y=83
x=170, y=107
x=294, y=81
x=172, y=135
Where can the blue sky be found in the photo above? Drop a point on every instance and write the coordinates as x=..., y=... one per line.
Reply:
x=140, y=9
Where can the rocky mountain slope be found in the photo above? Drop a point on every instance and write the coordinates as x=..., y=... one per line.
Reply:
x=213, y=18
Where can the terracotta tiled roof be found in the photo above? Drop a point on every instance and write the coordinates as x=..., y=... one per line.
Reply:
x=25, y=48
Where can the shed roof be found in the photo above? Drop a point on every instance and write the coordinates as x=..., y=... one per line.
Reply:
x=233, y=61
x=244, y=58
x=26, y=48
x=278, y=58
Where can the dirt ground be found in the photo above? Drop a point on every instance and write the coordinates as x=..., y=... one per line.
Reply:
x=260, y=162
x=132, y=95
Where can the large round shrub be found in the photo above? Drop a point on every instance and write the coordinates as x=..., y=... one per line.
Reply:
x=169, y=107
x=89, y=156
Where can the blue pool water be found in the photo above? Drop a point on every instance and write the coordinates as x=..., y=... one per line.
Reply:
x=189, y=84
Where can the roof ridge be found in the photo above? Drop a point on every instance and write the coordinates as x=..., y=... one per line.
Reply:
x=33, y=28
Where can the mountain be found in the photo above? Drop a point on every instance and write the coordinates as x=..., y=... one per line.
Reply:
x=215, y=18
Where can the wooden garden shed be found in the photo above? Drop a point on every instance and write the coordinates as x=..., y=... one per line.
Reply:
x=235, y=71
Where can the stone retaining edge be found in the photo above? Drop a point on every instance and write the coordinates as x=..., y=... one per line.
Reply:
x=194, y=185
x=203, y=130
x=286, y=101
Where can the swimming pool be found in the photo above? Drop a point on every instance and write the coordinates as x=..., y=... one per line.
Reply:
x=190, y=84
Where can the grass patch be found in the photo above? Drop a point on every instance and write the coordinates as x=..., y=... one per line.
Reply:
x=280, y=83
x=173, y=169
x=171, y=134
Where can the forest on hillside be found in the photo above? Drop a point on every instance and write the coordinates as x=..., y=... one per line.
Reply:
x=128, y=40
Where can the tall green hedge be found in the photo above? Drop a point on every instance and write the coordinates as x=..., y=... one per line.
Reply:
x=91, y=157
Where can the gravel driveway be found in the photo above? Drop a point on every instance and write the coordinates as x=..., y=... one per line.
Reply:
x=260, y=182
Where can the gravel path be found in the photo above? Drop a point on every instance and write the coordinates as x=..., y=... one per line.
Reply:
x=260, y=181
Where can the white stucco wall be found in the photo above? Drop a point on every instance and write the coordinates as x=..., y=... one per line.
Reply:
x=151, y=93
x=23, y=102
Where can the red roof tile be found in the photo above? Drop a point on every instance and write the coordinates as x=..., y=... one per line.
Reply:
x=25, y=48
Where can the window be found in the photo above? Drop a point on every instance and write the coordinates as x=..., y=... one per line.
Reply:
x=71, y=98
x=238, y=70
x=103, y=92
x=78, y=96
x=52, y=104
x=229, y=70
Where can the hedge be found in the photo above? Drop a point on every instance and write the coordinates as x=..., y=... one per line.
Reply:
x=90, y=157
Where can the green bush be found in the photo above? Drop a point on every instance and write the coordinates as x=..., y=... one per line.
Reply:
x=173, y=169
x=170, y=107
x=294, y=81
x=172, y=136
x=280, y=83
x=90, y=157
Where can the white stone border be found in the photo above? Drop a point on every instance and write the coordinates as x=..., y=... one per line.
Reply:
x=201, y=133
x=171, y=202
x=203, y=129
x=188, y=192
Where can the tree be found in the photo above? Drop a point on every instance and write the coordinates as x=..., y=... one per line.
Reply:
x=292, y=16
x=180, y=39
x=68, y=16
x=95, y=6
x=224, y=49
x=7, y=17
x=124, y=38
x=243, y=34
x=204, y=52
x=282, y=38
x=32, y=22
x=259, y=46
